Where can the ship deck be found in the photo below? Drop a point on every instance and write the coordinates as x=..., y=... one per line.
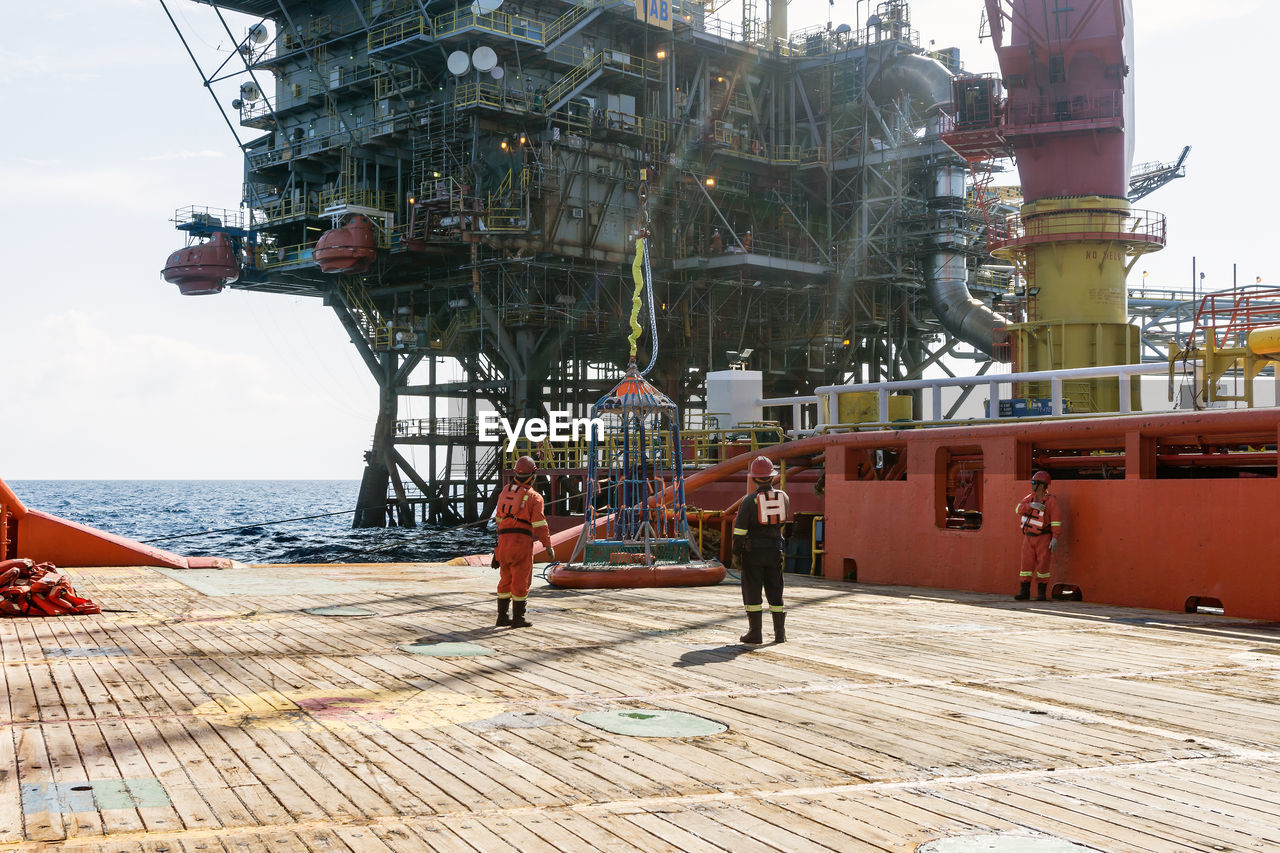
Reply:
x=207, y=711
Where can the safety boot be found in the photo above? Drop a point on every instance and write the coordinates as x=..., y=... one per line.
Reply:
x=504, y=618
x=1024, y=591
x=517, y=615
x=755, y=619
x=1040, y=596
x=779, y=626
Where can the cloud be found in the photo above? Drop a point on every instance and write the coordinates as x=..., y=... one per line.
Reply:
x=1166, y=16
x=122, y=403
x=137, y=190
x=185, y=155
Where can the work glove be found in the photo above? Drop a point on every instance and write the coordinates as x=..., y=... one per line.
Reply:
x=1036, y=505
x=1053, y=544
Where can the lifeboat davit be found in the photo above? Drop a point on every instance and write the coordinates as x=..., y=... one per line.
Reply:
x=203, y=269
x=350, y=248
x=697, y=573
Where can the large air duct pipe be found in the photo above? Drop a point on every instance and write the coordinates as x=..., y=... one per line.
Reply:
x=928, y=82
x=777, y=21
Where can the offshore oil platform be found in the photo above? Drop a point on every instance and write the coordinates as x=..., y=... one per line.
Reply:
x=464, y=184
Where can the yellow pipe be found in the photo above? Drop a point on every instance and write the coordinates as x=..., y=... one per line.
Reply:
x=1265, y=341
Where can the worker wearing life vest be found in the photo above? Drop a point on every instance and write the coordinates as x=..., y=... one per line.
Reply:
x=520, y=519
x=1040, y=522
x=758, y=533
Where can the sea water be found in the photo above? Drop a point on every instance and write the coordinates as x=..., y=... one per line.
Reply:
x=253, y=521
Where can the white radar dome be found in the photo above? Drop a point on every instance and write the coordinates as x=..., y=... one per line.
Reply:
x=484, y=58
x=458, y=62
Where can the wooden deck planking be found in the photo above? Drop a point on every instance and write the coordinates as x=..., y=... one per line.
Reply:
x=890, y=719
x=1180, y=810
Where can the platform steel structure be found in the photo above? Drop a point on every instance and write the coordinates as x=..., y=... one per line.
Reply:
x=505, y=154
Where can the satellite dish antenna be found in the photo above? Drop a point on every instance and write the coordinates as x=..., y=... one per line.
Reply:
x=497, y=73
x=250, y=91
x=484, y=59
x=259, y=33
x=458, y=63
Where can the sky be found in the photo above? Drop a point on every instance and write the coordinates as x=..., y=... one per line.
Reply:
x=109, y=374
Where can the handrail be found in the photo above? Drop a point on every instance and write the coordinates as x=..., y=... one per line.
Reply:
x=1055, y=378
x=1226, y=317
x=1142, y=229
x=1020, y=113
x=573, y=78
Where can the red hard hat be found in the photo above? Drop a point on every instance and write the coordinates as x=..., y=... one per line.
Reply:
x=1041, y=477
x=525, y=466
x=761, y=468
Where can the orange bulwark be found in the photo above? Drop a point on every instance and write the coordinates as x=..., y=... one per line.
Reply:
x=1162, y=510
x=46, y=538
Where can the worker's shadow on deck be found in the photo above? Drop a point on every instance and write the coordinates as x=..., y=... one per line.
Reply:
x=721, y=654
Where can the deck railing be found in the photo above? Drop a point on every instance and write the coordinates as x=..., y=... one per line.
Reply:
x=824, y=399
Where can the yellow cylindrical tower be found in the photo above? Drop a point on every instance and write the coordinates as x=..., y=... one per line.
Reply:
x=1075, y=254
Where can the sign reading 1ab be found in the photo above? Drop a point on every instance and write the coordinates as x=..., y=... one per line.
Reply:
x=656, y=12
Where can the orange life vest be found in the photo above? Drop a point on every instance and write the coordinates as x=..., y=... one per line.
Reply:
x=1036, y=522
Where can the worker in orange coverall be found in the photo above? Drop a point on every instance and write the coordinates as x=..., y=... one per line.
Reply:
x=1040, y=519
x=520, y=519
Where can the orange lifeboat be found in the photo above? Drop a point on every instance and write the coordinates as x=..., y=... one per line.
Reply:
x=350, y=248
x=203, y=269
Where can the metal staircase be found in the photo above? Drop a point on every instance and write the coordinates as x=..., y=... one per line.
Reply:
x=574, y=81
x=374, y=329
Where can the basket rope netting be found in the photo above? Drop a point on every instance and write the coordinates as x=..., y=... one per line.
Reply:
x=635, y=479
